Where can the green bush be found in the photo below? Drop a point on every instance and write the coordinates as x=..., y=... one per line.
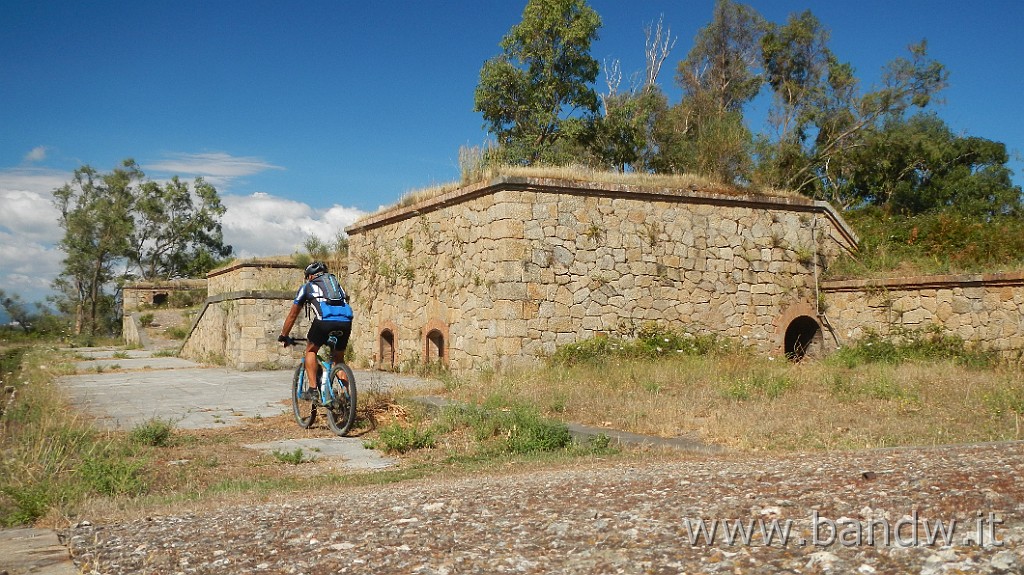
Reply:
x=396, y=438
x=933, y=242
x=109, y=473
x=510, y=429
x=1009, y=399
x=177, y=332
x=146, y=319
x=648, y=342
x=154, y=433
x=768, y=386
x=295, y=457
x=24, y=503
x=903, y=344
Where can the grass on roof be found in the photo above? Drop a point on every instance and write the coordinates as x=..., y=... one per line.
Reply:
x=583, y=175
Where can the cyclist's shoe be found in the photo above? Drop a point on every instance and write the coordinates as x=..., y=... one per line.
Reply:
x=310, y=394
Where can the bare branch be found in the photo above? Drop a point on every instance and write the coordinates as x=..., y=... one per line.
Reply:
x=659, y=43
x=613, y=79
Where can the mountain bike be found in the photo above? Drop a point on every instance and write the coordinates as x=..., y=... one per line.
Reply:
x=338, y=399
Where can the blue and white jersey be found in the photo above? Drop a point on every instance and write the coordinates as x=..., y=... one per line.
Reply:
x=314, y=294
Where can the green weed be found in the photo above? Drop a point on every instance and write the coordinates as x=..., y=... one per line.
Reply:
x=154, y=433
x=295, y=457
x=396, y=438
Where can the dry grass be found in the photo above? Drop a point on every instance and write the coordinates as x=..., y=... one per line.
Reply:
x=582, y=174
x=752, y=404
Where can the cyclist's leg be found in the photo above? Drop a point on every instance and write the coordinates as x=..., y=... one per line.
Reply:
x=343, y=331
x=311, y=365
x=315, y=337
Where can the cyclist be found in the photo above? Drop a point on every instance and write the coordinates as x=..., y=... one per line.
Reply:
x=324, y=298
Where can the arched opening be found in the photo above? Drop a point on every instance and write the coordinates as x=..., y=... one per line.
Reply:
x=159, y=298
x=803, y=338
x=387, y=350
x=435, y=346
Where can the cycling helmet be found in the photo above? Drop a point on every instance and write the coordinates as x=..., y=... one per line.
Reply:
x=315, y=269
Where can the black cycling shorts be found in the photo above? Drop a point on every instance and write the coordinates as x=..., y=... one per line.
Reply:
x=320, y=329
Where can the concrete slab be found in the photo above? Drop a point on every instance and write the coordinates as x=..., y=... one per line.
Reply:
x=191, y=398
x=111, y=353
x=196, y=397
x=36, y=551
x=349, y=448
x=133, y=364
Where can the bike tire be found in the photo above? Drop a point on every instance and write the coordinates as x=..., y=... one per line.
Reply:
x=342, y=413
x=304, y=411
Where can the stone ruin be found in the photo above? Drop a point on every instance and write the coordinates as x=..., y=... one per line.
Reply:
x=501, y=273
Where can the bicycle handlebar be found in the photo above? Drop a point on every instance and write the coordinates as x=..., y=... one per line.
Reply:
x=289, y=341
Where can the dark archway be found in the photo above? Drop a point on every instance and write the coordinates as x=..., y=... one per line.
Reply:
x=803, y=337
x=159, y=298
x=435, y=346
x=387, y=349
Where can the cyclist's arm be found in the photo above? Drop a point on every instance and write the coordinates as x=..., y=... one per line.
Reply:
x=293, y=314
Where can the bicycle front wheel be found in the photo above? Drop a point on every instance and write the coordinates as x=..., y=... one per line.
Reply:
x=304, y=411
x=342, y=412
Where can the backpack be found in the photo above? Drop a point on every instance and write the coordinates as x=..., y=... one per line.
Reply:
x=332, y=290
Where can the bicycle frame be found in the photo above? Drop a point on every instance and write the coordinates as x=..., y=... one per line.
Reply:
x=327, y=396
x=337, y=389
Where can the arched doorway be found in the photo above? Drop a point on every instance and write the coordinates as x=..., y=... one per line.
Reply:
x=803, y=338
x=435, y=346
x=387, y=349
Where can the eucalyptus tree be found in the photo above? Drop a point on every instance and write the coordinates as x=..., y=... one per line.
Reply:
x=820, y=116
x=705, y=133
x=121, y=226
x=917, y=165
x=537, y=97
x=177, y=230
x=95, y=213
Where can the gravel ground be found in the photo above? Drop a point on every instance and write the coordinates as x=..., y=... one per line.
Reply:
x=612, y=517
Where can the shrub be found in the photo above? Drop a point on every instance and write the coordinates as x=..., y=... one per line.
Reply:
x=109, y=473
x=511, y=429
x=648, y=342
x=769, y=386
x=290, y=457
x=904, y=344
x=396, y=438
x=146, y=319
x=177, y=332
x=154, y=433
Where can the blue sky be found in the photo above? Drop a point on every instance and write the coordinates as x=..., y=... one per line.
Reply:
x=306, y=115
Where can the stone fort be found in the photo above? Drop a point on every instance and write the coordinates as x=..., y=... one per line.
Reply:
x=499, y=274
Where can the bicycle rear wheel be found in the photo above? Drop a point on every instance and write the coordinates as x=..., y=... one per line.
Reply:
x=304, y=411
x=342, y=412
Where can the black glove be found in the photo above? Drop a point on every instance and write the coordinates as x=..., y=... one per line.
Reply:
x=285, y=340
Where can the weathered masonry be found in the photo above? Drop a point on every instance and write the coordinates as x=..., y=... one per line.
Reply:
x=501, y=273
x=983, y=309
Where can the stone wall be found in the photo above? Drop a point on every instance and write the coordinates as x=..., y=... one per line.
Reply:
x=983, y=308
x=255, y=275
x=240, y=329
x=242, y=317
x=504, y=272
x=140, y=295
x=145, y=295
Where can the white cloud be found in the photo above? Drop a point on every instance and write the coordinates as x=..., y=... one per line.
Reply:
x=29, y=215
x=28, y=268
x=37, y=154
x=29, y=258
x=261, y=225
x=217, y=168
